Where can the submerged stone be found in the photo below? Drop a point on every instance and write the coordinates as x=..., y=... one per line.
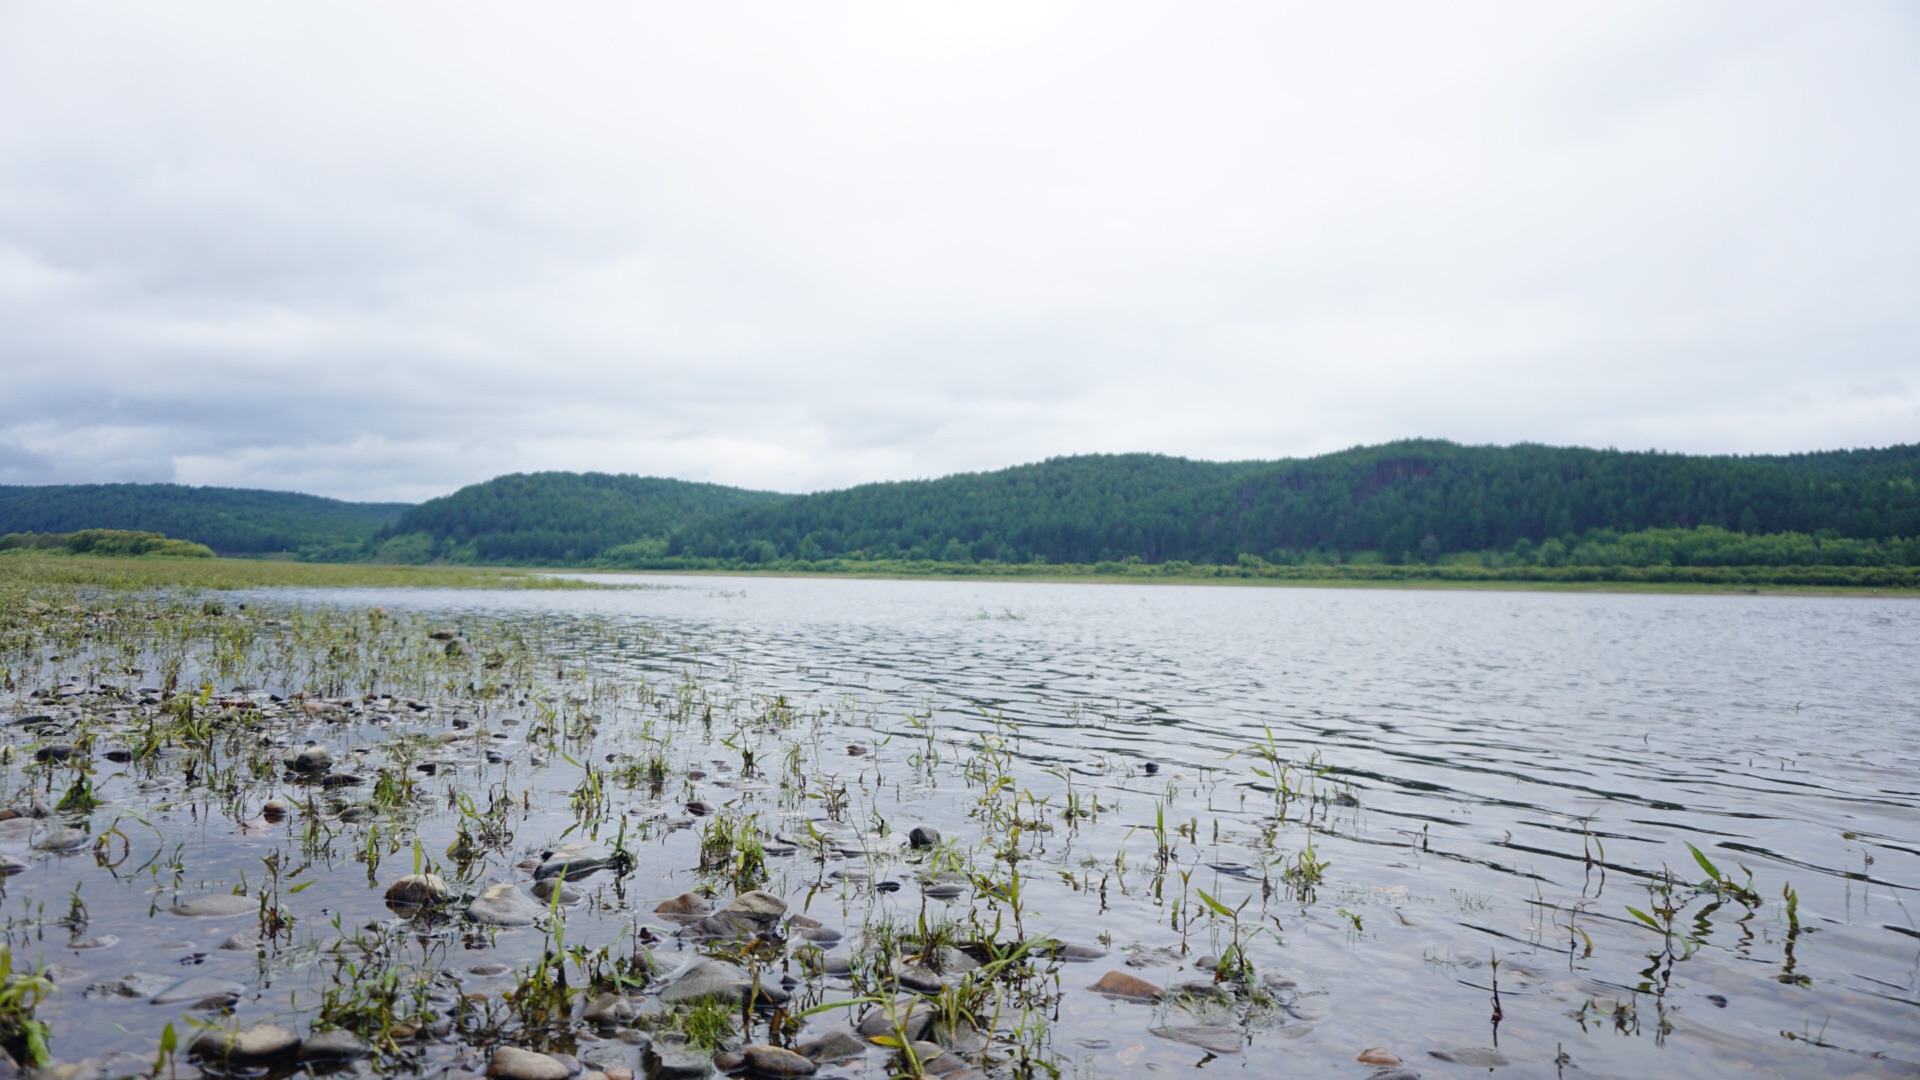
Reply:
x=202, y=990
x=1479, y=1057
x=686, y=904
x=217, y=906
x=1213, y=1038
x=572, y=862
x=418, y=889
x=924, y=836
x=503, y=904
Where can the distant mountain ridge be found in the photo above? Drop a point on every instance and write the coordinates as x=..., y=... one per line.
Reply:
x=230, y=520
x=1395, y=502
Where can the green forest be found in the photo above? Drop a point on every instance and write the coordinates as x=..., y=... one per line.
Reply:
x=235, y=521
x=1417, y=507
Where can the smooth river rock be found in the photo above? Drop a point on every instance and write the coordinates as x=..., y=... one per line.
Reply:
x=1119, y=984
x=774, y=1061
x=261, y=1042
x=503, y=904
x=513, y=1063
x=418, y=889
x=333, y=1045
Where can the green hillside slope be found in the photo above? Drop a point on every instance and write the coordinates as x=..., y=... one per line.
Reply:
x=554, y=517
x=233, y=520
x=1399, y=499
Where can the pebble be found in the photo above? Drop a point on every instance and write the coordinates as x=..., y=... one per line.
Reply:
x=313, y=759
x=546, y=887
x=924, y=836
x=513, y=1063
x=1394, y=1073
x=104, y=941
x=1375, y=1055
x=261, y=1042
x=275, y=810
x=1119, y=984
x=216, y=906
x=778, y=1062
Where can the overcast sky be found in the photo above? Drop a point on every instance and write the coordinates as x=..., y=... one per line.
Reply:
x=379, y=251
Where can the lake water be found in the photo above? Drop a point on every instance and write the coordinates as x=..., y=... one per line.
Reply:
x=1492, y=780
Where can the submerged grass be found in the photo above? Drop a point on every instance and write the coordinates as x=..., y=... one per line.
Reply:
x=471, y=751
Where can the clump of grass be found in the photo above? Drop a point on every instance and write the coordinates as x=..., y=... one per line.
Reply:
x=22, y=1033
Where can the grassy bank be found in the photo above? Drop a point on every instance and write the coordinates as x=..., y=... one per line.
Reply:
x=28, y=568
x=1818, y=579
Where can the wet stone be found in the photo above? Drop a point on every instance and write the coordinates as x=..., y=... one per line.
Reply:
x=217, y=906
x=503, y=904
x=140, y=984
x=104, y=941
x=1376, y=1055
x=261, y=1042
x=10, y=865
x=572, y=863
x=54, y=752
x=1394, y=1073
x=1119, y=984
x=202, y=990
x=777, y=1062
x=63, y=840
x=313, y=759
x=924, y=836
x=1479, y=1057
x=513, y=1063
x=488, y=971
x=908, y=1019
x=418, y=889
x=707, y=979
x=545, y=888
x=1213, y=1038
x=671, y=1057
x=834, y=1046
x=1078, y=954
x=333, y=1046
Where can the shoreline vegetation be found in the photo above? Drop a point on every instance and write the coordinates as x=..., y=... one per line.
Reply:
x=57, y=567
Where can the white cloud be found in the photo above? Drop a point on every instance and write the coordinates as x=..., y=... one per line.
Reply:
x=378, y=252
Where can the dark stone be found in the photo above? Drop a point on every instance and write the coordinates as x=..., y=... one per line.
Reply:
x=924, y=836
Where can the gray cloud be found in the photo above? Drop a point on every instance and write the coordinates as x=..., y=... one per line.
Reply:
x=377, y=252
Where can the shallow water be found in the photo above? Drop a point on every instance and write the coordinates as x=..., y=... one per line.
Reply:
x=1521, y=763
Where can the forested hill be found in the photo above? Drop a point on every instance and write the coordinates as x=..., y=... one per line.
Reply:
x=1412, y=498
x=555, y=517
x=234, y=520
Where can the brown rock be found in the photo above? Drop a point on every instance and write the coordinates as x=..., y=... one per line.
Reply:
x=775, y=1061
x=1374, y=1055
x=685, y=904
x=1119, y=984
